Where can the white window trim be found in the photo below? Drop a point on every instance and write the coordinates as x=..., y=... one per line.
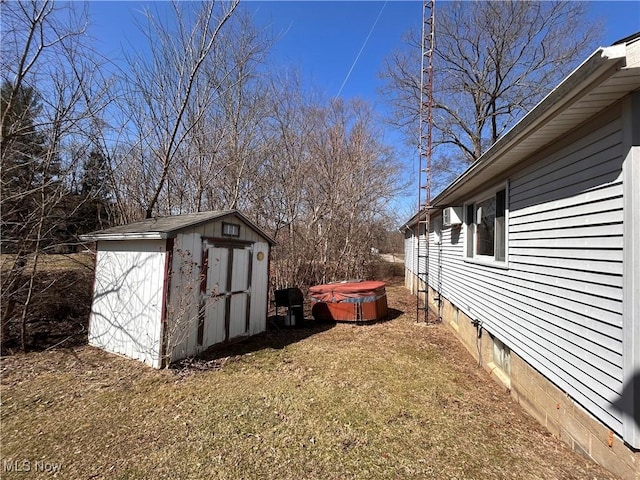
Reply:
x=234, y=227
x=485, y=259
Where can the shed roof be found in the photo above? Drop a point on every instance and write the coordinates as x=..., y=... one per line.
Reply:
x=158, y=228
x=608, y=75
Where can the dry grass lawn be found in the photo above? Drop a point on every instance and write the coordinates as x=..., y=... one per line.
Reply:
x=391, y=400
x=52, y=262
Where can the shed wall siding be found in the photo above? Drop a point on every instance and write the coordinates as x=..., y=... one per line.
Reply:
x=559, y=304
x=259, y=288
x=214, y=230
x=127, y=306
x=631, y=300
x=185, y=287
x=184, y=296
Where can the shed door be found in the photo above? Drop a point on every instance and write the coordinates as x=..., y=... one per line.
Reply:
x=228, y=295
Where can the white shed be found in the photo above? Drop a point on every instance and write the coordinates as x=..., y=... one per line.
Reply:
x=170, y=287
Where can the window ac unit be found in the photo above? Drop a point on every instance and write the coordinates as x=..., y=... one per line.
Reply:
x=452, y=216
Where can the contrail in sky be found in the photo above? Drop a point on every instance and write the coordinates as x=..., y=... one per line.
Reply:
x=360, y=52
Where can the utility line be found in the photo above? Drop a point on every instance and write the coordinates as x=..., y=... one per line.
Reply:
x=360, y=52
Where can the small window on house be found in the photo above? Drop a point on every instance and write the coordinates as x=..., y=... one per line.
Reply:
x=501, y=356
x=486, y=227
x=230, y=230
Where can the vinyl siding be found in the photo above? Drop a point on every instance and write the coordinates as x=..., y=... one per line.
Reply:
x=411, y=258
x=558, y=305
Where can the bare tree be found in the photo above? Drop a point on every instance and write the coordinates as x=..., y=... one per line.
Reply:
x=354, y=178
x=52, y=97
x=242, y=108
x=215, y=165
x=494, y=60
x=284, y=181
x=326, y=183
x=163, y=86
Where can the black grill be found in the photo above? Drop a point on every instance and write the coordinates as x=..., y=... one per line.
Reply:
x=292, y=299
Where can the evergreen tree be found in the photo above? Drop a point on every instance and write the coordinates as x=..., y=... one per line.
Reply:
x=95, y=194
x=22, y=152
x=95, y=175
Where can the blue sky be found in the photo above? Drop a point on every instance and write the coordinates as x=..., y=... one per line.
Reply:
x=323, y=39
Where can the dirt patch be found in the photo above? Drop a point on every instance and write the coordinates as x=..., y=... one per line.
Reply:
x=58, y=313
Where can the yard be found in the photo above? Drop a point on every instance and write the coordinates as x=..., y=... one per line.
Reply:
x=395, y=399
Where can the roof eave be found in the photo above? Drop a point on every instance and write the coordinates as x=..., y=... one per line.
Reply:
x=151, y=235
x=601, y=62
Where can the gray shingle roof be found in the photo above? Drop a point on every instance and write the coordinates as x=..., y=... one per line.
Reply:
x=166, y=227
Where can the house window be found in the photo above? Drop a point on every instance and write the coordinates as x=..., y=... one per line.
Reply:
x=500, y=364
x=486, y=233
x=502, y=356
x=230, y=230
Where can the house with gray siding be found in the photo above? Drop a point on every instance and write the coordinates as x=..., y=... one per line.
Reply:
x=534, y=259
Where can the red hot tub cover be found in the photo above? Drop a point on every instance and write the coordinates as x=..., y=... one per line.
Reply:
x=349, y=301
x=352, y=292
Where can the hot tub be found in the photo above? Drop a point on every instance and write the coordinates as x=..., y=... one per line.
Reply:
x=349, y=301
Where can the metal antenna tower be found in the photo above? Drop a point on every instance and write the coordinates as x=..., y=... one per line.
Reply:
x=425, y=151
